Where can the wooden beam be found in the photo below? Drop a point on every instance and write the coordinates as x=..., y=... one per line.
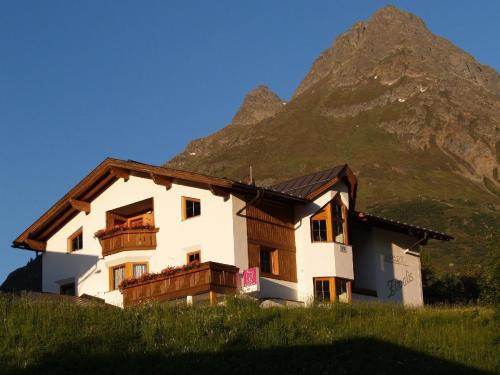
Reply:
x=57, y=223
x=162, y=180
x=216, y=190
x=80, y=205
x=120, y=173
x=98, y=187
x=36, y=245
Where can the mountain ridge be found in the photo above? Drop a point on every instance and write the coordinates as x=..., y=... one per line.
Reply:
x=416, y=118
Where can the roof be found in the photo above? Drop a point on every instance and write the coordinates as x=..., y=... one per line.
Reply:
x=298, y=190
x=105, y=174
x=398, y=226
x=304, y=185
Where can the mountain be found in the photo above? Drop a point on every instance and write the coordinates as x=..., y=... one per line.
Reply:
x=417, y=119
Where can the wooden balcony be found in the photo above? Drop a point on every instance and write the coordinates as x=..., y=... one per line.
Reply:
x=129, y=239
x=209, y=277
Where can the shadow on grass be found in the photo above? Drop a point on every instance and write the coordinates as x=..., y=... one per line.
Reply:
x=357, y=356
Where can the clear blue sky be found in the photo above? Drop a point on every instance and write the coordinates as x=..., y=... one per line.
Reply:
x=83, y=80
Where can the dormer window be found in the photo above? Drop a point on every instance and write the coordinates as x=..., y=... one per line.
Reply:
x=191, y=207
x=75, y=241
x=329, y=223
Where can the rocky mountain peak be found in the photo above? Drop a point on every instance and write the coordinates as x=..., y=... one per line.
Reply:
x=259, y=104
x=395, y=43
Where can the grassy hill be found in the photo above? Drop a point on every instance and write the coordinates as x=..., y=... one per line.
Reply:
x=47, y=337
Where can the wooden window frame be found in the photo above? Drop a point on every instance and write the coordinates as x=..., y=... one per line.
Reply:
x=333, y=287
x=193, y=253
x=184, y=200
x=133, y=264
x=274, y=261
x=326, y=213
x=129, y=272
x=75, y=234
x=338, y=200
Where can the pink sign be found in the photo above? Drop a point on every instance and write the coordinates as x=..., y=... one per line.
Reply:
x=250, y=280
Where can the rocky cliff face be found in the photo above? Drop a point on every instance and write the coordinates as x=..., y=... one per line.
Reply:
x=417, y=119
x=454, y=100
x=258, y=105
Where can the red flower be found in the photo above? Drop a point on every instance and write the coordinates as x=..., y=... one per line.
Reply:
x=119, y=228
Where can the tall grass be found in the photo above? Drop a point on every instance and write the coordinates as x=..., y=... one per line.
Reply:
x=45, y=336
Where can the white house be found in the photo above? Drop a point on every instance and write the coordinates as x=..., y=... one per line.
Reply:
x=132, y=221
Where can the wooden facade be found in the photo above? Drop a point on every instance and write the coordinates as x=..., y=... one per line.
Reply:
x=209, y=277
x=130, y=239
x=271, y=225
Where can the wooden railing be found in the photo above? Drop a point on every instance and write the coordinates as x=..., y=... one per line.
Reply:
x=130, y=239
x=209, y=277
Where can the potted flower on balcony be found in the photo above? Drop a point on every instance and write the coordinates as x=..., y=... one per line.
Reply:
x=120, y=228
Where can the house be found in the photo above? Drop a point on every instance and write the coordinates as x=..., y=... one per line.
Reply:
x=131, y=232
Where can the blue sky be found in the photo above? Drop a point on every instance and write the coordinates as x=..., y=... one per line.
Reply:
x=80, y=81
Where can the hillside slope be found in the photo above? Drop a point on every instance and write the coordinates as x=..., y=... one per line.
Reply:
x=45, y=336
x=416, y=118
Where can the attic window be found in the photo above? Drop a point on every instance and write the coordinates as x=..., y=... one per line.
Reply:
x=329, y=223
x=191, y=207
x=75, y=241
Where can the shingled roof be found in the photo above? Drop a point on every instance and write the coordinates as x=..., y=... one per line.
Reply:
x=304, y=186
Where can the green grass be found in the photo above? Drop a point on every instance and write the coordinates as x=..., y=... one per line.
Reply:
x=49, y=337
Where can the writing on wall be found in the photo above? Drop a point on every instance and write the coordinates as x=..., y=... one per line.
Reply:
x=395, y=285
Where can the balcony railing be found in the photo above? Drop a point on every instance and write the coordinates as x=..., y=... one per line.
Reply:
x=209, y=277
x=129, y=239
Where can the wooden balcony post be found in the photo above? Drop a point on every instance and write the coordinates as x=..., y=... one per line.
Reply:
x=213, y=297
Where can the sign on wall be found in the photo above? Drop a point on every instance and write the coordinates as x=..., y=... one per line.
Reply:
x=250, y=280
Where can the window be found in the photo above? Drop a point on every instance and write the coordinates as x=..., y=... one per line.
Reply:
x=118, y=276
x=139, y=269
x=195, y=255
x=124, y=271
x=322, y=290
x=265, y=260
x=269, y=260
x=68, y=289
x=338, y=220
x=330, y=289
x=329, y=224
x=191, y=207
x=341, y=290
x=75, y=241
x=319, y=230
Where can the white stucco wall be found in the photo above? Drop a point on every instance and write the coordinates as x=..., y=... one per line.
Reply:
x=318, y=259
x=273, y=288
x=219, y=235
x=381, y=264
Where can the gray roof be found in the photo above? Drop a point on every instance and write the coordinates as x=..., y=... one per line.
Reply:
x=399, y=226
x=302, y=186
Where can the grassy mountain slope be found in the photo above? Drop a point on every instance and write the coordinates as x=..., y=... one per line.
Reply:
x=421, y=135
